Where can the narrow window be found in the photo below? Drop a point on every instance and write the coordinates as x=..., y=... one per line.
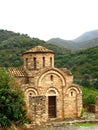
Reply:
x=50, y=61
x=34, y=63
x=43, y=61
x=26, y=62
x=71, y=93
x=27, y=80
x=51, y=77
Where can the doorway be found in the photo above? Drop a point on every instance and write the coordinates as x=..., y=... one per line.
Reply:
x=52, y=106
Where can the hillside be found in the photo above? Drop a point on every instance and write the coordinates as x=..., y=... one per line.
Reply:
x=83, y=64
x=12, y=45
x=61, y=43
x=86, y=40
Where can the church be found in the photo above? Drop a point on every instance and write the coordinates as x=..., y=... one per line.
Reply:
x=49, y=92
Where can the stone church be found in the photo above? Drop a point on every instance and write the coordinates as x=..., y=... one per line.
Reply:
x=49, y=91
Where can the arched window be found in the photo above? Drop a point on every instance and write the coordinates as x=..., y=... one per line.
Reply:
x=27, y=80
x=26, y=62
x=51, y=77
x=71, y=93
x=50, y=61
x=43, y=61
x=34, y=63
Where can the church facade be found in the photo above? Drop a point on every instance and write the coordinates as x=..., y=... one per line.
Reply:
x=49, y=91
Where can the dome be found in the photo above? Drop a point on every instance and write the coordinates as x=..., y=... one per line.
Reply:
x=40, y=49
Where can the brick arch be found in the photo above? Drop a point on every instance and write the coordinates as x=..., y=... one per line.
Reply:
x=52, y=71
x=32, y=90
x=73, y=99
x=52, y=91
x=73, y=88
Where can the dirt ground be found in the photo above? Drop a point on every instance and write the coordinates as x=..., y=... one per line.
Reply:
x=70, y=124
x=70, y=128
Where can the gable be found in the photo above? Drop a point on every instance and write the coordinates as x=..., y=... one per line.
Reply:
x=51, y=77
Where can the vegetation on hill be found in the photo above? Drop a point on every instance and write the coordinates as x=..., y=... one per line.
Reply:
x=86, y=40
x=12, y=45
x=62, y=43
x=83, y=64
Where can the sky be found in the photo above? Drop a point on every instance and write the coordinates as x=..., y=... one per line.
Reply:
x=46, y=19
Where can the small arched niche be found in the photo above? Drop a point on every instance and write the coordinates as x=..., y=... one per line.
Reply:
x=29, y=93
x=72, y=91
x=52, y=92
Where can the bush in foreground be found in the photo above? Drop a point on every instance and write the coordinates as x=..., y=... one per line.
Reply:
x=12, y=104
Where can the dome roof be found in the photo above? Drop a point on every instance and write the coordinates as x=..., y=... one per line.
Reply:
x=38, y=49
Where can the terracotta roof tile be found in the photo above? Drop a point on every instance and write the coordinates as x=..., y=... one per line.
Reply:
x=38, y=49
x=16, y=72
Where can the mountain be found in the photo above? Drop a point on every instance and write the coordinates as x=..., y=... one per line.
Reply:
x=81, y=62
x=87, y=36
x=62, y=43
x=87, y=40
x=12, y=45
x=87, y=44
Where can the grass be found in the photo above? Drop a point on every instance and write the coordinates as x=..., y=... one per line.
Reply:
x=86, y=124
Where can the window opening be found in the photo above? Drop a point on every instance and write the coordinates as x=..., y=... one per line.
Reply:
x=26, y=62
x=27, y=80
x=71, y=93
x=50, y=61
x=43, y=61
x=30, y=94
x=34, y=63
x=51, y=77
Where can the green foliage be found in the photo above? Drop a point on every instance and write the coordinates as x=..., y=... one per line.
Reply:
x=89, y=95
x=87, y=40
x=81, y=63
x=82, y=112
x=12, y=104
x=12, y=45
x=87, y=124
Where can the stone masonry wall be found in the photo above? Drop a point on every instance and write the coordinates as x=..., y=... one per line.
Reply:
x=39, y=60
x=38, y=109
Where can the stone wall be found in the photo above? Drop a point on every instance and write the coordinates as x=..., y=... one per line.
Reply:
x=37, y=105
x=29, y=60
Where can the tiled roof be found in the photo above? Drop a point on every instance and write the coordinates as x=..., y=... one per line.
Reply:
x=17, y=72
x=66, y=71
x=38, y=49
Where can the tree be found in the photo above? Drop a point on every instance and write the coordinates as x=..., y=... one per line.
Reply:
x=89, y=95
x=12, y=104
